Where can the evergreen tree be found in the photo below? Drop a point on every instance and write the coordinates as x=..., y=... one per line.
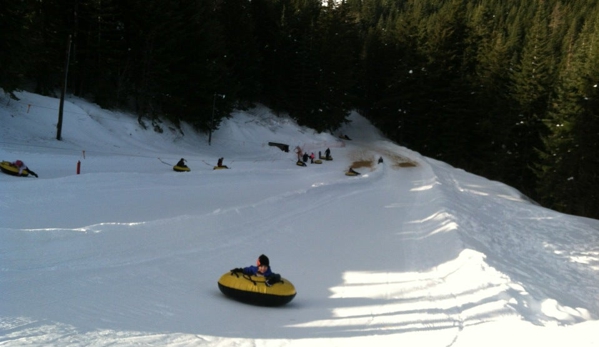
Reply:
x=13, y=52
x=302, y=43
x=51, y=23
x=336, y=61
x=148, y=31
x=99, y=52
x=242, y=56
x=391, y=71
x=270, y=19
x=196, y=67
x=567, y=173
x=532, y=79
x=490, y=85
x=440, y=123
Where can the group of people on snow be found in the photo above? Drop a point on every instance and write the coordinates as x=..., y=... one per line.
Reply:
x=301, y=156
x=182, y=162
x=304, y=156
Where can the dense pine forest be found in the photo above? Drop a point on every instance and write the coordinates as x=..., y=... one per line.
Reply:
x=504, y=89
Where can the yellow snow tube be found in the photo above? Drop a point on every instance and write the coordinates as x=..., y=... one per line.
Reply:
x=253, y=289
x=9, y=169
x=181, y=168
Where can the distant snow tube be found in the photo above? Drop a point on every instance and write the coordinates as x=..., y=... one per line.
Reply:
x=352, y=173
x=9, y=169
x=181, y=168
x=253, y=289
x=317, y=161
x=220, y=167
x=300, y=163
x=326, y=158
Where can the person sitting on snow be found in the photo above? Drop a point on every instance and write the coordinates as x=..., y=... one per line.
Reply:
x=262, y=269
x=220, y=163
x=181, y=163
x=351, y=170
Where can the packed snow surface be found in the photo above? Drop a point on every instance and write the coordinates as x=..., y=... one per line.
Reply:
x=412, y=252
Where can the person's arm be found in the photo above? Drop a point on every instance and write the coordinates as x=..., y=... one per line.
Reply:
x=250, y=270
x=272, y=279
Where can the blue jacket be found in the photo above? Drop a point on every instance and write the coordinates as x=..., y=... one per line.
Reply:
x=253, y=270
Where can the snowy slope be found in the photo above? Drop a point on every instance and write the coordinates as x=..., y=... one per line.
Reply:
x=412, y=252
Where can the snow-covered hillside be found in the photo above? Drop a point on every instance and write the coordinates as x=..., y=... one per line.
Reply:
x=413, y=252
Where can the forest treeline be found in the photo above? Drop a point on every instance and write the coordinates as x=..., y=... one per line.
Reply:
x=504, y=89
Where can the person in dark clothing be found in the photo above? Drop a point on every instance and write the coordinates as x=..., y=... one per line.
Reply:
x=181, y=163
x=305, y=157
x=220, y=165
x=327, y=153
x=351, y=170
x=262, y=268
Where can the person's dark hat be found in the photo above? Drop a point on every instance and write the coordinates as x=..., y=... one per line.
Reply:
x=263, y=260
